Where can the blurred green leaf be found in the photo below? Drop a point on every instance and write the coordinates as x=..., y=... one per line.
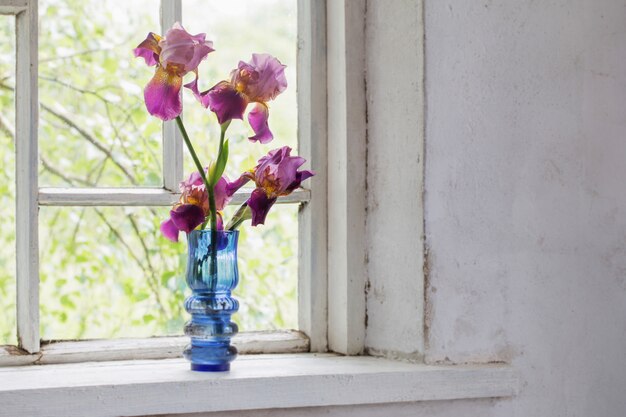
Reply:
x=67, y=302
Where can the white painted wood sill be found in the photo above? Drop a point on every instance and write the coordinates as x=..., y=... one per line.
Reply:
x=152, y=387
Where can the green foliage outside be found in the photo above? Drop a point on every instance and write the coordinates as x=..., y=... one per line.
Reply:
x=7, y=186
x=106, y=271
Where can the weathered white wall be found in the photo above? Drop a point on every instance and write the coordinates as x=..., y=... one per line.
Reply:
x=395, y=215
x=525, y=205
x=525, y=197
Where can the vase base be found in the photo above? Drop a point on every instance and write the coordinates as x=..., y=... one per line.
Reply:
x=199, y=367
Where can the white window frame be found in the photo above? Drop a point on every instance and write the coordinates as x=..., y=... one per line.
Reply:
x=332, y=120
x=29, y=196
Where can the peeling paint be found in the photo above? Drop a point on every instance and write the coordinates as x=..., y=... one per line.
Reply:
x=428, y=308
x=394, y=150
x=411, y=357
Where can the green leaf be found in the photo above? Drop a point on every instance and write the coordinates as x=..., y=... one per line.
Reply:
x=141, y=295
x=166, y=276
x=67, y=302
x=243, y=213
x=217, y=169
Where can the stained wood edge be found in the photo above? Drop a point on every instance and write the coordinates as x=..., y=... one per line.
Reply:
x=282, y=341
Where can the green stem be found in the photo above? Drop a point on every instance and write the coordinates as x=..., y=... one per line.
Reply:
x=210, y=188
x=212, y=192
x=194, y=156
x=235, y=225
x=223, y=127
x=213, y=208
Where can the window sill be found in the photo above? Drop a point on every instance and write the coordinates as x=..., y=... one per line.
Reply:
x=275, y=341
x=135, y=388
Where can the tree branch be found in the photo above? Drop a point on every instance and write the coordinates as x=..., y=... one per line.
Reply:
x=117, y=234
x=151, y=282
x=84, y=134
x=6, y=127
x=89, y=138
x=127, y=112
x=65, y=177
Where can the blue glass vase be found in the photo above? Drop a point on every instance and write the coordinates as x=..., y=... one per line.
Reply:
x=211, y=304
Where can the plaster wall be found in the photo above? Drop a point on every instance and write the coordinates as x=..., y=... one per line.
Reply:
x=395, y=216
x=525, y=200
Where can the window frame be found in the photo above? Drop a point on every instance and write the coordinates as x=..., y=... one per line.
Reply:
x=334, y=256
x=29, y=196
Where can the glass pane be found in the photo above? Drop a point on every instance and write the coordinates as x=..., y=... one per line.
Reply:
x=268, y=271
x=94, y=129
x=237, y=30
x=107, y=272
x=268, y=254
x=7, y=181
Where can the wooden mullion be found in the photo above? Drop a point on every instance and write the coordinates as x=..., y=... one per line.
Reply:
x=312, y=144
x=51, y=196
x=27, y=247
x=13, y=7
x=346, y=175
x=171, y=12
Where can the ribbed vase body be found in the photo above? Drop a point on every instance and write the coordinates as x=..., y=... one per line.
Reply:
x=211, y=304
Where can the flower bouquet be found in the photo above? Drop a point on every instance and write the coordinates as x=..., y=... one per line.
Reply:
x=212, y=243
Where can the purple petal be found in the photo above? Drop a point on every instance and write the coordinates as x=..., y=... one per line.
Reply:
x=222, y=196
x=279, y=169
x=258, y=121
x=304, y=175
x=202, y=97
x=169, y=230
x=238, y=183
x=182, y=50
x=286, y=172
x=226, y=102
x=263, y=77
x=193, y=191
x=300, y=176
x=187, y=217
x=260, y=205
x=162, y=95
x=194, y=179
x=277, y=172
x=224, y=190
x=272, y=159
x=149, y=49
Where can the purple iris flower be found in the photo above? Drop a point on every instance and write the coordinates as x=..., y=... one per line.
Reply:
x=193, y=207
x=175, y=55
x=275, y=175
x=257, y=81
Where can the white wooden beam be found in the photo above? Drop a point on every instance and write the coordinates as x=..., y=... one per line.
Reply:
x=346, y=175
x=171, y=12
x=13, y=7
x=49, y=196
x=312, y=220
x=395, y=216
x=27, y=248
x=138, y=388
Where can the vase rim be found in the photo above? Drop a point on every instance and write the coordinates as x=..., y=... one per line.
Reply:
x=225, y=232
